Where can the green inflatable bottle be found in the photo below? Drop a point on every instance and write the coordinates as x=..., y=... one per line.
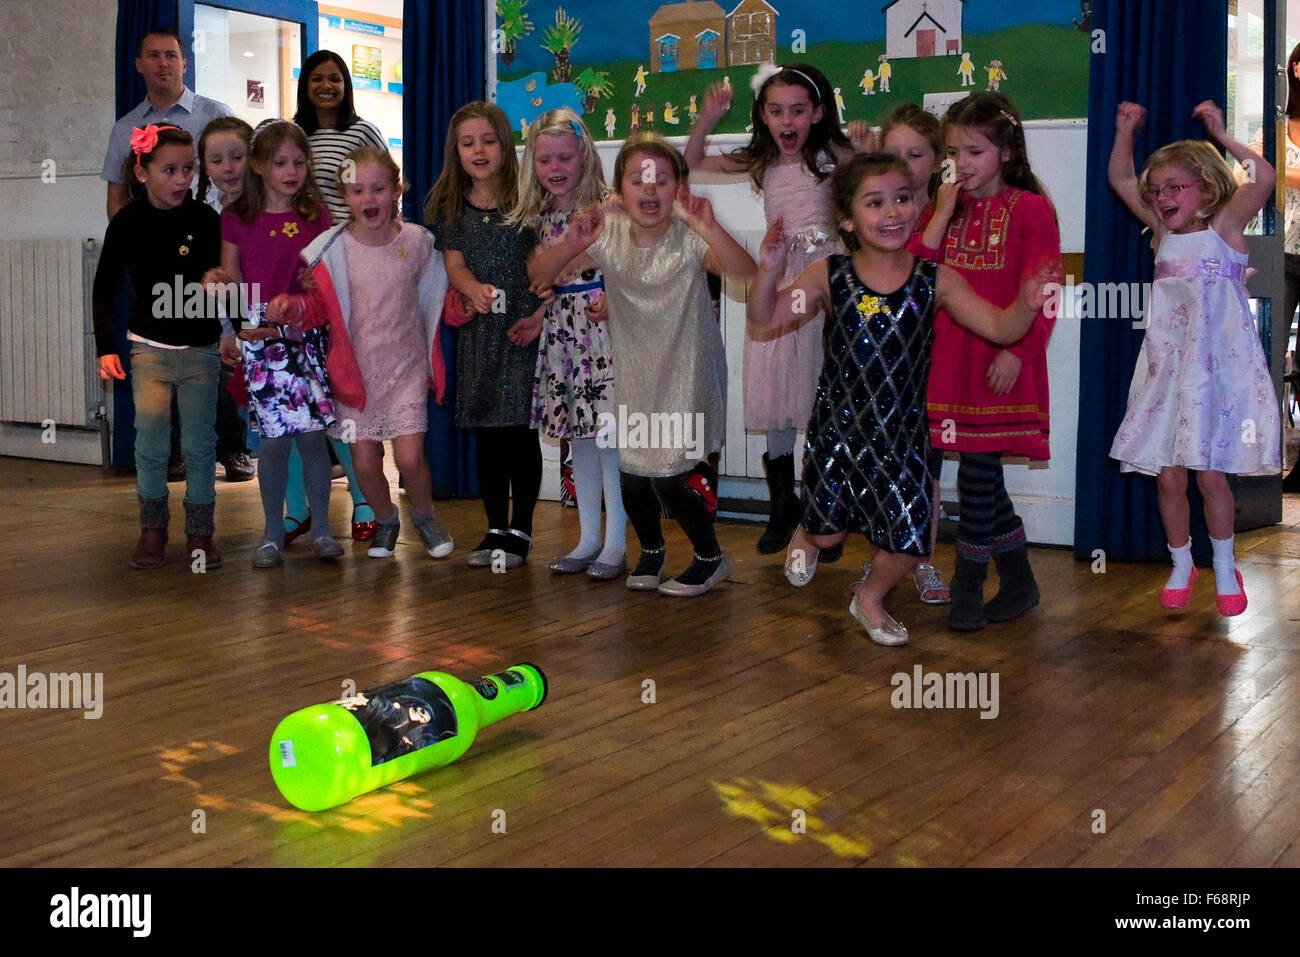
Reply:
x=326, y=755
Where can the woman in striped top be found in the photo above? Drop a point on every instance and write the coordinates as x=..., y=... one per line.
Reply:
x=328, y=116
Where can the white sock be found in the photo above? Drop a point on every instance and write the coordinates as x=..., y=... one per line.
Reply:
x=587, y=485
x=615, y=514
x=1182, y=566
x=1225, y=568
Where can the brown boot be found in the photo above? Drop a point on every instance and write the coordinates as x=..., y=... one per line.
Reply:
x=203, y=544
x=198, y=536
x=151, y=550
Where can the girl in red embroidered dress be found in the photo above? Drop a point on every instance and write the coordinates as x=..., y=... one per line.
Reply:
x=986, y=401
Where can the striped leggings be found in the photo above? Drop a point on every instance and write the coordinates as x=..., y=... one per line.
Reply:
x=989, y=524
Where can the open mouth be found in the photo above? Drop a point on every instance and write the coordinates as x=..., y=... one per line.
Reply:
x=892, y=232
x=789, y=139
x=649, y=207
x=555, y=182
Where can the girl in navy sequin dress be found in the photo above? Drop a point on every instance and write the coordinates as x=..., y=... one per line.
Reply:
x=865, y=461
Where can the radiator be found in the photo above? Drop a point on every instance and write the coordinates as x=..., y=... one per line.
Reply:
x=49, y=370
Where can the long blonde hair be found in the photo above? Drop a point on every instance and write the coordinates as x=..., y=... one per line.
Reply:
x=533, y=196
x=446, y=200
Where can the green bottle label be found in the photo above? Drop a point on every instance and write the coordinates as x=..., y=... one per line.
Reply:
x=486, y=687
x=402, y=717
x=511, y=677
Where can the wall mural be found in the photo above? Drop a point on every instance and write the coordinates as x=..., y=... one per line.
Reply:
x=646, y=65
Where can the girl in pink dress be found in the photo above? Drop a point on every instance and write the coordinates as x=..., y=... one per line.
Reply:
x=380, y=288
x=796, y=145
x=1201, y=396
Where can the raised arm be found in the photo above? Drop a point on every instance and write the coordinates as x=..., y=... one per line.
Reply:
x=725, y=255
x=1000, y=326
x=767, y=307
x=716, y=103
x=1123, y=179
x=1259, y=174
x=547, y=262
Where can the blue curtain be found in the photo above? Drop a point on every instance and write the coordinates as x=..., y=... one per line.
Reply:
x=444, y=47
x=1146, y=61
x=135, y=18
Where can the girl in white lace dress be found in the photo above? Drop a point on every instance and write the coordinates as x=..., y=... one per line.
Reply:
x=1201, y=398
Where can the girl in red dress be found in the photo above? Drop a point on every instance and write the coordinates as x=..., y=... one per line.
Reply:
x=986, y=401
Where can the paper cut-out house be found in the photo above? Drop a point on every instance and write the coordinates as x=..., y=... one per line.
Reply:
x=923, y=27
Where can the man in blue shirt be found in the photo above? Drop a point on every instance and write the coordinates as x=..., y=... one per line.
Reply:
x=161, y=61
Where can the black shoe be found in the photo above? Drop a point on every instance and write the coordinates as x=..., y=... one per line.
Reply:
x=238, y=466
x=829, y=556
x=786, y=509
x=967, y=590
x=1292, y=481
x=176, y=469
x=1017, y=591
x=649, y=570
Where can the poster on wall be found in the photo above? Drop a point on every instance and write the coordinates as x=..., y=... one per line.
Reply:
x=647, y=65
x=367, y=67
x=256, y=93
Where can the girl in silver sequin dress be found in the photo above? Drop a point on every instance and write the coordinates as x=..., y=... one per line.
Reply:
x=672, y=375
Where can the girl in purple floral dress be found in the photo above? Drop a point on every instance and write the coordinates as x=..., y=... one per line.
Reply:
x=263, y=232
x=573, y=388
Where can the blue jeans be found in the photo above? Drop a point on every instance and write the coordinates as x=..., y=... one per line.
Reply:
x=192, y=375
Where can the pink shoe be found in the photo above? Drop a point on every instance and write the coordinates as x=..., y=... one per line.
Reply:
x=1178, y=597
x=1230, y=605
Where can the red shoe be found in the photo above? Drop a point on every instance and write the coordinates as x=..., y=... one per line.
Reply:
x=362, y=531
x=703, y=479
x=1230, y=605
x=299, y=528
x=1178, y=597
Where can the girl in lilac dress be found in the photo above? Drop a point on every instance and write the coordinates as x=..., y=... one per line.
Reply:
x=1201, y=397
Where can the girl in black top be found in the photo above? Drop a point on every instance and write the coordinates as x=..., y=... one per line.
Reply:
x=164, y=241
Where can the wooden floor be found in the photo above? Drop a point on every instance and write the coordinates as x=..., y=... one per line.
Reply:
x=1180, y=731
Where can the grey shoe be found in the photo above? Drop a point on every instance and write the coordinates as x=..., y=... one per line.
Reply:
x=268, y=555
x=648, y=572
x=515, y=559
x=481, y=557
x=681, y=589
x=437, y=543
x=384, y=544
x=574, y=566
x=326, y=547
x=605, y=573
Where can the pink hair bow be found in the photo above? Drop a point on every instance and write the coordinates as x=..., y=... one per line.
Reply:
x=144, y=140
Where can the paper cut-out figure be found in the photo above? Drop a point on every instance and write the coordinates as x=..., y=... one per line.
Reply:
x=966, y=71
x=692, y=110
x=649, y=119
x=670, y=114
x=610, y=122
x=884, y=73
x=868, y=83
x=636, y=118
x=839, y=102
x=640, y=79
x=996, y=76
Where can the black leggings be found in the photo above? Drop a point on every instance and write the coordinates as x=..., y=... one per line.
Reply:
x=642, y=497
x=989, y=523
x=509, y=459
